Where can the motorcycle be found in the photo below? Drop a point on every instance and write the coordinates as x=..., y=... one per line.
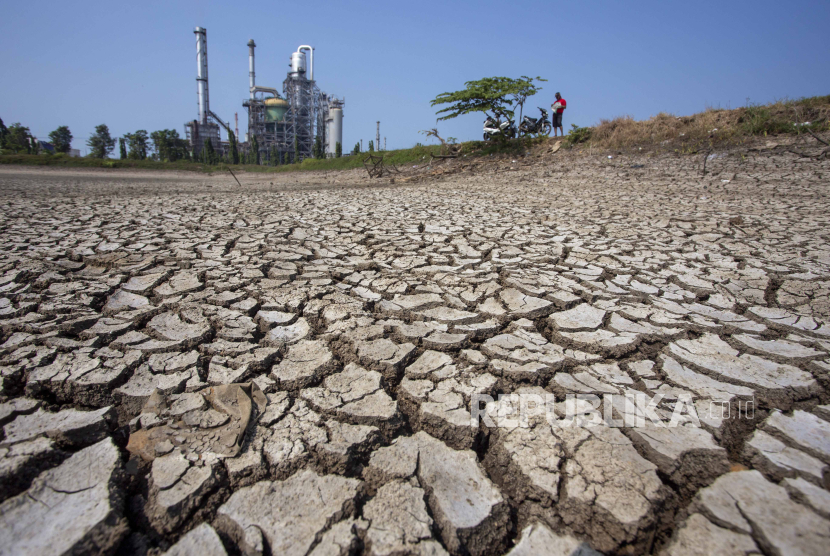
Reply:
x=532, y=125
x=494, y=127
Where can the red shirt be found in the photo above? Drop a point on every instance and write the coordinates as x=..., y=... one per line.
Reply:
x=563, y=103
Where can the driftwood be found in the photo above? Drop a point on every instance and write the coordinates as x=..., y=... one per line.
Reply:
x=376, y=168
x=451, y=150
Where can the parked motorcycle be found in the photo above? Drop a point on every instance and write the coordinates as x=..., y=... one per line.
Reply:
x=494, y=128
x=532, y=125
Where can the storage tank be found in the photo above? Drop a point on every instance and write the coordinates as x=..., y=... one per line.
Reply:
x=297, y=63
x=335, y=129
x=275, y=109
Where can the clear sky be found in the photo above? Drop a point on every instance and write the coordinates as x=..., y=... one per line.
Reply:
x=132, y=65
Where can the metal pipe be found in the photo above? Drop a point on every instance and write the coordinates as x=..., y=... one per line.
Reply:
x=264, y=90
x=202, y=73
x=310, y=61
x=251, y=74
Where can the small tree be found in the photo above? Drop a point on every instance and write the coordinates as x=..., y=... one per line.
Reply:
x=100, y=143
x=17, y=139
x=161, y=144
x=338, y=150
x=137, y=145
x=254, y=154
x=319, y=151
x=62, y=139
x=4, y=131
x=499, y=95
x=35, y=144
x=371, y=146
x=356, y=149
x=234, y=149
x=210, y=153
x=122, y=146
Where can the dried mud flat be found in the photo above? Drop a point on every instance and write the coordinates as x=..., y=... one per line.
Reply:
x=287, y=367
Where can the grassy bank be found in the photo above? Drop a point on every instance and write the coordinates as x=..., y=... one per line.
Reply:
x=706, y=129
x=663, y=132
x=397, y=157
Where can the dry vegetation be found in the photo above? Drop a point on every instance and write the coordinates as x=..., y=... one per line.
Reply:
x=706, y=129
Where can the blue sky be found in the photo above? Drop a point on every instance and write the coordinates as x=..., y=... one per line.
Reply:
x=133, y=66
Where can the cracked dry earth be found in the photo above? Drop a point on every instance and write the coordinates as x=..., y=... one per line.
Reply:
x=287, y=367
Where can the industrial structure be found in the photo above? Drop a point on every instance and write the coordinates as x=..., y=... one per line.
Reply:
x=289, y=125
x=199, y=131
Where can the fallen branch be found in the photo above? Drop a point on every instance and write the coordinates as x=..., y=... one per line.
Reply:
x=234, y=177
x=452, y=149
x=818, y=156
x=817, y=138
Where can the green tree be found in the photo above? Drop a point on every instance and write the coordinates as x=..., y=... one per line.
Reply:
x=17, y=139
x=161, y=144
x=209, y=152
x=35, y=148
x=319, y=151
x=254, y=154
x=234, y=149
x=100, y=143
x=338, y=150
x=4, y=131
x=122, y=147
x=371, y=146
x=499, y=95
x=62, y=139
x=356, y=149
x=137, y=145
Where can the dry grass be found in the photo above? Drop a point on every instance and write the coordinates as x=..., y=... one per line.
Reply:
x=714, y=126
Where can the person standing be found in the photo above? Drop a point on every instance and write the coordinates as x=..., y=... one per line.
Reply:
x=556, y=114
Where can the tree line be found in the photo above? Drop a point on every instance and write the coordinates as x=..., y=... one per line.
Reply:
x=163, y=145
x=19, y=139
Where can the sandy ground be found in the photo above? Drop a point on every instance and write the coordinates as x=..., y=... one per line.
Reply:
x=363, y=318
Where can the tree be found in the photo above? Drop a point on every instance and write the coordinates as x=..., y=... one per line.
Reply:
x=338, y=150
x=234, y=149
x=168, y=146
x=122, y=147
x=100, y=143
x=254, y=154
x=161, y=144
x=356, y=149
x=35, y=145
x=209, y=152
x=4, y=131
x=137, y=145
x=16, y=139
x=319, y=152
x=371, y=146
x=62, y=139
x=499, y=95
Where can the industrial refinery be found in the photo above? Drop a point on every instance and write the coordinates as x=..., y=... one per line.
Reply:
x=286, y=125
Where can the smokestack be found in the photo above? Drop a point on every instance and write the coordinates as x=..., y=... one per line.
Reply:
x=202, y=74
x=251, y=75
